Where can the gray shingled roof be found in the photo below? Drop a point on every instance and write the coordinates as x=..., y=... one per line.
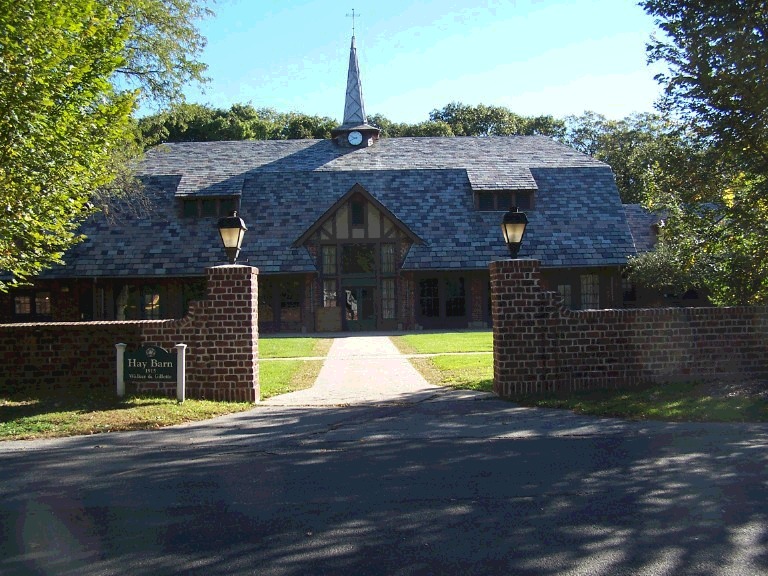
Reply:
x=641, y=224
x=427, y=183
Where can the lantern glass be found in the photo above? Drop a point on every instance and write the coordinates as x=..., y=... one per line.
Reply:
x=231, y=237
x=513, y=228
x=232, y=229
x=513, y=232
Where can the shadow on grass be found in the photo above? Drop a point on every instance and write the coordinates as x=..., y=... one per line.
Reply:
x=31, y=404
x=485, y=385
x=30, y=415
x=675, y=402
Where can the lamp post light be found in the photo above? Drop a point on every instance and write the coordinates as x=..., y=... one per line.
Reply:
x=513, y=227
x=232, y=229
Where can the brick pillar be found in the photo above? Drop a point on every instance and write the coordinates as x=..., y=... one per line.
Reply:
x=231, y=334
x=523, y=329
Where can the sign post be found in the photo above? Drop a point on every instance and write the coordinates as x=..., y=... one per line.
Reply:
x=181, y=371
x=120, y=369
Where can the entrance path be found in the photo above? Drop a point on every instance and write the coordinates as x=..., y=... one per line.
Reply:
x=363, y=369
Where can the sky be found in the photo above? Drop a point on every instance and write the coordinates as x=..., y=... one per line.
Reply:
x=535, y=57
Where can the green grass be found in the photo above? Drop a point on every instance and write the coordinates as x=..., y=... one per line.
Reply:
x=278, y=376
x=669, y=402
x=283, y=376
x=90, y=412
x=275, y=347
x=444, y=342
x=465, y=372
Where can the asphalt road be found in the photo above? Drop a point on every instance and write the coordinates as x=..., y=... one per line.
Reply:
x=457, y=484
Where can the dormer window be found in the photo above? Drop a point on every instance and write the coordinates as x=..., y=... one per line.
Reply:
x=502, y=200
x=212, y=207
x=486, y=201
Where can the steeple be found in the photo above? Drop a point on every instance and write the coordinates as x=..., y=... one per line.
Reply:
x=354, y=108
x=354, y=130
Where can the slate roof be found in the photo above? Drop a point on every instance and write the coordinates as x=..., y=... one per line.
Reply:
x=641, y=224
x=427, y=183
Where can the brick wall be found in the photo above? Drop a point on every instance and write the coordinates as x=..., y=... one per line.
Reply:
x=541, y=346
x=57, y=355
x=221, y=333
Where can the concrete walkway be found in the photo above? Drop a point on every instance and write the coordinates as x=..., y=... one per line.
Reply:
x=361, y=370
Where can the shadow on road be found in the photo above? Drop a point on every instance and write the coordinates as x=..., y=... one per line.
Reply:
x=437, y=487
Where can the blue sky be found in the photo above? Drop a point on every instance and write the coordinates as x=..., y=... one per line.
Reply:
x=555, y=57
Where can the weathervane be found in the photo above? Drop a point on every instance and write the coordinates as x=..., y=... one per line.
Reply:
x=353, y=15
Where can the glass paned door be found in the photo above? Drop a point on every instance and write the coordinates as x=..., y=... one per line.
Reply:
x=360, y=312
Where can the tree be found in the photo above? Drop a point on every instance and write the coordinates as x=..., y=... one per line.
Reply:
x=428, y=128
x=391, y=129
x=161, y=53
x=60, y=120
x=482, y=120
x=710, y=239
x=633, y=147
x=717, y=200
x=65, y=117
x=301, y=126
x=717, y=81
x=388, y=129
x=184, y=122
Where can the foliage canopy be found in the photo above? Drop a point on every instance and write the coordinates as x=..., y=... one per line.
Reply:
x=201, y=123
x=71, y=73
x=715, y=191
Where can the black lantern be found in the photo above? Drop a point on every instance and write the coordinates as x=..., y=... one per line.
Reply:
x=232, y=229
x=513, y=228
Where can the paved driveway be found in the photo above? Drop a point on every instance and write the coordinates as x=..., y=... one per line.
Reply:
x=439, y=482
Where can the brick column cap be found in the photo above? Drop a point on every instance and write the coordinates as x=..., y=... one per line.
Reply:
x=232, y=268
x=515, y=262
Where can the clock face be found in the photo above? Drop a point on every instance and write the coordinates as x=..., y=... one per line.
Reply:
x=355, y=138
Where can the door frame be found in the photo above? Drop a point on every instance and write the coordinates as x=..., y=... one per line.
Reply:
x=359, y=324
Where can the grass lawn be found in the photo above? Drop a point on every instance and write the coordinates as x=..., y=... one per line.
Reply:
x=279, y=376
x=283, y=376
x=671, y=402
x=275, y=347
x=81, y=412
x=466, y=371
x=444, y=342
